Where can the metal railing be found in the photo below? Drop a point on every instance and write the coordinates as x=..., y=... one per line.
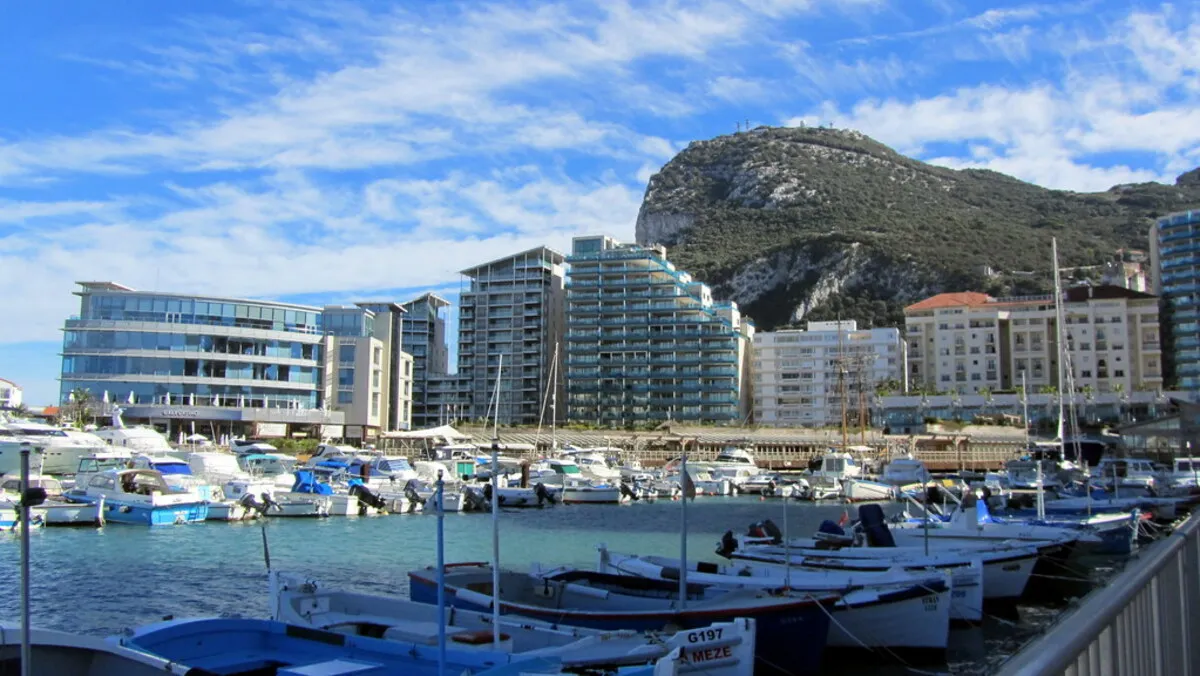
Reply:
x=1139, y=623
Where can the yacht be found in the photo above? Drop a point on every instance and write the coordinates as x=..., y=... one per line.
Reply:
x=138, y=439
x=904, y=470
x=56, y=450
x=244, y=446
x=592, y=463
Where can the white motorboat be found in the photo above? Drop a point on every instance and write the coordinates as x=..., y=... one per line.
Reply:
x=1185, y=473
x=56, y=450
x=304, y=603
x=1130, y=473
x=865, y=490
x=593, y=462
x=137, y=439
x=895, y=609
x=139, y=496
x=55, y=511
x=590, y=494
x=904, y=470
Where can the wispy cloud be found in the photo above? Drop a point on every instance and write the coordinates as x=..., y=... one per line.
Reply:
x=339, y=149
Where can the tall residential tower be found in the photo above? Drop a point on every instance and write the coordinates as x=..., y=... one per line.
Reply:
x=511, y=308
x=647, y=343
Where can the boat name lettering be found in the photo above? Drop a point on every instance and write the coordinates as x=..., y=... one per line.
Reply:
x=179, y=413
x=931, y=603
x=705, y=635
x=710, y=654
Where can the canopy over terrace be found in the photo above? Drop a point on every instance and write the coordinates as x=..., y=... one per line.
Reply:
x=443, y=435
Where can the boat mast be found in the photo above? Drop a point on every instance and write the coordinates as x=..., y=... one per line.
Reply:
x=496, y=511
x=1041, y=498
x=554, y=401
x=1060, y=339
x=441, y=572
x=684, y=480
x=841, y=362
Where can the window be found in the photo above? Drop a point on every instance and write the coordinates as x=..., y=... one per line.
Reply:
x=346, y=352
x=377, y=357
x=375, y=378
x=375, y=404
x=345, y=397
x=345, y=377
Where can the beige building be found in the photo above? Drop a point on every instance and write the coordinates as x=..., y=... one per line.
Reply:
x=365, y=377
x=970, y=342
x=801, y=377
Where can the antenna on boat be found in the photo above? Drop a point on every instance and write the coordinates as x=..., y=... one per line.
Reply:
x=496, y=512
x=441, y=574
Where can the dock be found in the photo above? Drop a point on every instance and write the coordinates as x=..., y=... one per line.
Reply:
x=1141, y=622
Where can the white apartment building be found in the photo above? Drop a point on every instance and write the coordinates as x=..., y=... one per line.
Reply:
x=364, y=377
x=970, y=342
x=10, y=394
x=801, y=376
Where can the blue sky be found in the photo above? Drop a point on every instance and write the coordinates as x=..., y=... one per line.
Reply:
x=329, y=151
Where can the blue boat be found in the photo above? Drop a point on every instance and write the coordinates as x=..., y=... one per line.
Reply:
x=140, y=496
x=791, y=632
x=234, y=647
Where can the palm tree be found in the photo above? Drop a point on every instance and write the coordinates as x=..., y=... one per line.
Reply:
x=21, y=410
x=79, y=408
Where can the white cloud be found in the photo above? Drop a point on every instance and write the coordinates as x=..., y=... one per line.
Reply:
x=1048, y=132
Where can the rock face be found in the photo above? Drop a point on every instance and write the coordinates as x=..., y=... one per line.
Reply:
x=802, y=224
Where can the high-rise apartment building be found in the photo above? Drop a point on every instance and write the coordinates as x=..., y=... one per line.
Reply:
x=806, y=377
x=646, y=342
x=970, y=342
x=1175, y=267
x=511, y=310
x=425, y=339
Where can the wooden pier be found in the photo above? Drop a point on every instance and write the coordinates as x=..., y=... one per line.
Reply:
x=776, y=449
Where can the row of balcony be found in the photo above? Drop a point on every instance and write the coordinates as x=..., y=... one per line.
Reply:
x=622, y=371
x=596, y=334
x=676, y=359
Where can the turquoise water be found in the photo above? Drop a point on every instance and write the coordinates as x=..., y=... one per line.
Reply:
x=100, y=581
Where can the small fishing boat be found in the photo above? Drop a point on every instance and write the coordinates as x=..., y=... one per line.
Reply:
x=57, y=653
x=904, y=470
x=302, y=602
x=789, y=631
x=140, y=496
x=1007, y=566
x=235, y=647
x=896, y=609
x=590, y=494
x=865, y=490
x=55, y=511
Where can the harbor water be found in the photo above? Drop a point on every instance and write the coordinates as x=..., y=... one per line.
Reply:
x=102, y=581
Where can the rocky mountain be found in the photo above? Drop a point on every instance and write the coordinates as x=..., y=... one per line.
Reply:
x=813, y=223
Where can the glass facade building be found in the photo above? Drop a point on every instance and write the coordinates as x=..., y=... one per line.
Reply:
x=647, y=343
x=168, y=349
x=424, y=337
x=1176, y=250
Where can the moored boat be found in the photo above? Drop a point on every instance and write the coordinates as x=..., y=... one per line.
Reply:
x=140, y=496
x=790, y=632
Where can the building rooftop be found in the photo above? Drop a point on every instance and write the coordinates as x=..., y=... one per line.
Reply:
x=1081, y=294
x=554, y=256
x=431, y=298
x=89, y=287
x=957, y=299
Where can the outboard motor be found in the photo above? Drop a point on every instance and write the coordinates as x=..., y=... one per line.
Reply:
x=874, y=525
x=728, y=544
x=831, y=536
x=367, y=499
x=475, y=502
x=933, y=495
x=410, y=491
x=524, y=474
x=772, y=531
x=626, y=490
x=543, y=495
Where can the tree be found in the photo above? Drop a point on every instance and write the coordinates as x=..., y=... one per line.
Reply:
x=21, y=411
x=79, y=407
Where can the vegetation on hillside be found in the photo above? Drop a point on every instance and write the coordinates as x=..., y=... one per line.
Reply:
x=812, y=194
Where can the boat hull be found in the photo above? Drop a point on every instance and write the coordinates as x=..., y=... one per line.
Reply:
x=591, y=496
x=779, y=626
x=858, y=490
x=915, y=620
x=71, y=514
x=157, y=515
